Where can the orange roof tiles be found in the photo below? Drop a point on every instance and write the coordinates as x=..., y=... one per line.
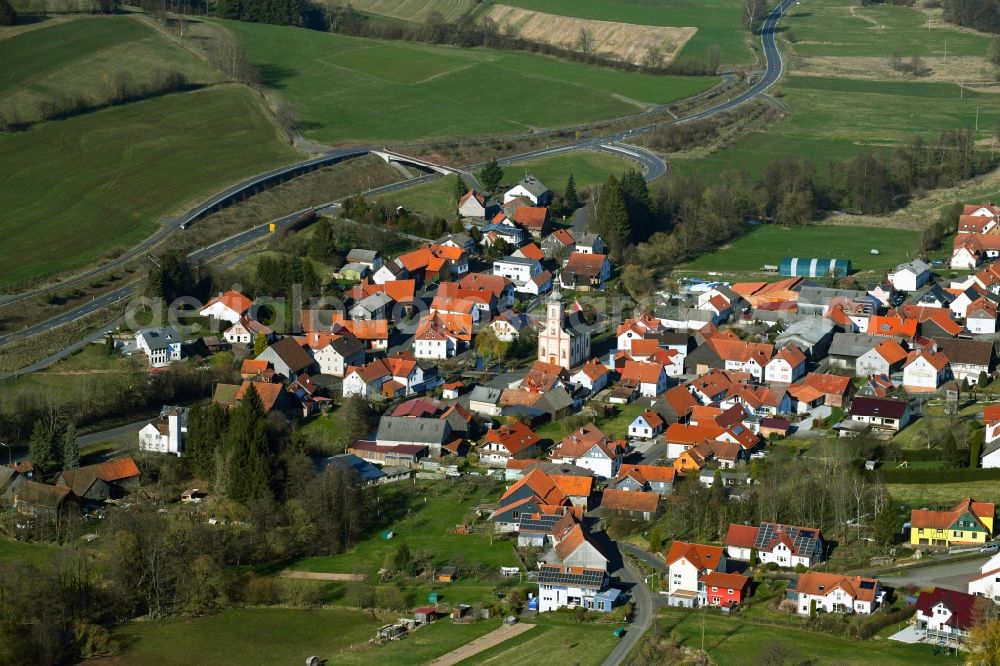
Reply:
x=641, y=372
x=233, y=300
x=268, y=393
x=820, y=584
x=991, y=413
x=573, y=486
x=892, y=326
x=625, y=500
x=531, y=251
x=532, y=217
x=828, y=384
x=701, y=556
x=515, y=437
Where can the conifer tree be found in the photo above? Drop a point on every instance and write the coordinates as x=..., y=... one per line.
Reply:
x=570, y=196
x=71, y=450
x=491, y=176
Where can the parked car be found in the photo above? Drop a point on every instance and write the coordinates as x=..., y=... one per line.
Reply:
x=990, y=548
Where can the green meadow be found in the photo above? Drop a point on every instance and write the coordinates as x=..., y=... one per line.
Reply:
x=72, y=190
x=842, y=28
x=81, y=57
x=718, y=21
x=767, y=244
x=835, y=119
x=352, y=89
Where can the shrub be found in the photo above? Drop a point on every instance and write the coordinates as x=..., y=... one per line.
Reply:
x=771, y=566
x=801, y=568
x=261, y=591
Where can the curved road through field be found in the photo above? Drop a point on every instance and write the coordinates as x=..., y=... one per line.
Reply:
x=653, y=166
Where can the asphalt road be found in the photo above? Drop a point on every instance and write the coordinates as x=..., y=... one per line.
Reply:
x=642, y=616
x=951, y=575
x=654, y=168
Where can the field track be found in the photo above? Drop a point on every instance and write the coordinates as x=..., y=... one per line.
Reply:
x=482, y=643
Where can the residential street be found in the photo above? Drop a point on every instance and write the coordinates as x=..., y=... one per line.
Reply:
x=642, y=617
x=952, y=575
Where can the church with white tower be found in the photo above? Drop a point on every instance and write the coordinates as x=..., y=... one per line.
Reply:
x=563, y=342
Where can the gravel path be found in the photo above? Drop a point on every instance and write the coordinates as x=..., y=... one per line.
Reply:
x=495, y=637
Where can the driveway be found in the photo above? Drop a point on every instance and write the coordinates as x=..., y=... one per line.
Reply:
x=950, y=575
x=804, y=427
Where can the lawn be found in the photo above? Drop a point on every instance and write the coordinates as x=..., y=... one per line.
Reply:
x=32, y=553
x=767, y=244
x=428, y=522
x=731, y=641
x=918, y=495
x=718, y=21
x=415, y=10
x=75, y=189
x=882, y=114
x=354, y=89
x=436, y=198
x=577, y=644
x=245, y=636
x=82, y=56
x=842, y=28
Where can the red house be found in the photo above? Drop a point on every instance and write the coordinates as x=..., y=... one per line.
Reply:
x=725, y=589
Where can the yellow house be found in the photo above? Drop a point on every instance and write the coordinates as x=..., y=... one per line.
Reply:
x=968, y=522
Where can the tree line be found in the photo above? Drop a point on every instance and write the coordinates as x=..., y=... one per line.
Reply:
x=981, y=15
x=121, y=88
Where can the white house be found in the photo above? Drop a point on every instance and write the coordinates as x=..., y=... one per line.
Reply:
x=245, y=331
x=686, y=564
x=924, y=372
x=230, y=306
x=390, y=271
x=785, y=545
x=588, y=447
x=485, y=400
x=945, y=615
x=649, y=379
x=530, y=188
x=160, y=345
x=911, y=275
x=987, y=582
x=366, y=381
x=167, y=433
x=883, y=359
x=785, y=367
x=646, y=426
x=520, y=271
x=563, y=586
x=335, y=357
x=593, y=376
x=836, y=593
x=981, y=316
x=590, y=244
x=507, y=325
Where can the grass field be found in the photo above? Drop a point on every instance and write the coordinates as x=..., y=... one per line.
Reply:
x=882, y=114
x=767, y=244
x=581, y=644
x=74, y=189
x=436, y=198
x=842, y=28
x=244, y=636
x=431, y=517
x=33, y=553
x=81, y=57
x=733, y=642
x=412, y=10
x=917, y=495
x=348, y=88
x=718, y=21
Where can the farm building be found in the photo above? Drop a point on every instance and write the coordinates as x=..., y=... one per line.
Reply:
x=808, y=267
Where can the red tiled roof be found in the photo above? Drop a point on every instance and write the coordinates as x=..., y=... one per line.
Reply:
x=233, y=300
x=531, y=217
x=532, y=251
x=741, y=536
x=626, y=500
x=268, y=393
x=828, y=384
x=701, y=556
x=514, y=437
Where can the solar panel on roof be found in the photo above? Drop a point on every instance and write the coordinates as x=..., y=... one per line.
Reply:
x=867, y=584
x=556, y=576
